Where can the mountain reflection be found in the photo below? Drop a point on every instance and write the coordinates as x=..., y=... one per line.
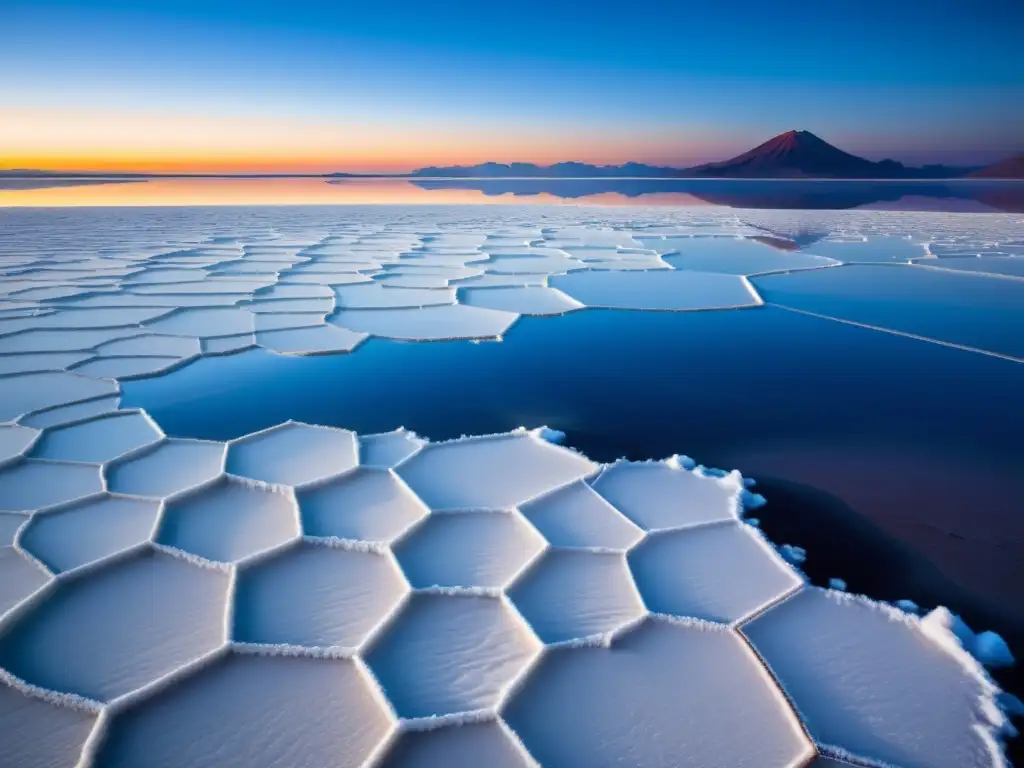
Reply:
x=816, y=194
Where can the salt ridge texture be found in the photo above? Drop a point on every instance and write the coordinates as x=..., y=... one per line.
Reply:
x=573, y=647
x=346, y=600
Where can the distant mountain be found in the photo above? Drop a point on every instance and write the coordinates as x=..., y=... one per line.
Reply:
x=569, y=170
x=801, y=154
x=790, y=155
x=24, y=173
x=1010, y=168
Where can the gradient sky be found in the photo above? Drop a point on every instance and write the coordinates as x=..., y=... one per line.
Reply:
x=306, y=86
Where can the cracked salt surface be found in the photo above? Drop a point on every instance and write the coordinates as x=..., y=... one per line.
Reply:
x=720, y=573
x=736, y=256
x=21, y=394
x=132, y=621
x=64, y=538
x=493, y=473
x=39, y=734
x=292, y=454
x=577, y=516
x=675, y=291
x=528, y=300
x=833, y=653
x=346, y=594
x=14, y=440
x=305, y=596
x=19, y=577
x=467, y=549
x=97, y=440
x=573, y=594
x=228, y=519
x=364, y=505
x=474, y=744
x=431, y=323
x=296, y=712
x=451, y=653
x=170, y=466
x=664, y=692
x=463, y=651
x=388, y=449
x=10, y=522
x=658, y=496
x=31, y=484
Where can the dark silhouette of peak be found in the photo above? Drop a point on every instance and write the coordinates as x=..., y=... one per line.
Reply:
x=796, y=154
x=1010, y=168
x=790, y=155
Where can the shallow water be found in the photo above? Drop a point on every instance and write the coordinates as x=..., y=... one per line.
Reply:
x=608, y=378
x=894, y=461
x=886, y=447
x=976, y=311
x=923, y=439
x=953, y=195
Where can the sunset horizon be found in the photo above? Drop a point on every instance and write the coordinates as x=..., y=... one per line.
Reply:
x=189, y=87
x=200, y=165
x=160, y=150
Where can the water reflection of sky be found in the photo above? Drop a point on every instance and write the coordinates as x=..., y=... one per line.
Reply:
x=910, y=434
x=961, y=196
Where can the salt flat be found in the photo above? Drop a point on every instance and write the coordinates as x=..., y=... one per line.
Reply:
x=307, y=596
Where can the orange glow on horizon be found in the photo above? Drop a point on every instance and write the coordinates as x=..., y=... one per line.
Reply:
x=115, y=142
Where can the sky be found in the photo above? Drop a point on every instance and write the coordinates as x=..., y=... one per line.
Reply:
x=308, y=86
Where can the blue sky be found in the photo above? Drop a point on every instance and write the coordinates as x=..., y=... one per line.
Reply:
x=308, y=85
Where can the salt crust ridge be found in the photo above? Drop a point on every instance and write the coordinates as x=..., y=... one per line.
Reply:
x=25, y=298
x=936, y=626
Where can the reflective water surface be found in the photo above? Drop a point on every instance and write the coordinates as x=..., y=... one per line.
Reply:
x=954, y=195
x=908, y=434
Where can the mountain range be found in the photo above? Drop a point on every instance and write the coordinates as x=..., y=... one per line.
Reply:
x=790, y=155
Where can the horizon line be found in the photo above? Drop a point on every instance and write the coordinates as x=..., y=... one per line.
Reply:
x=42, y=166
x=95, y=172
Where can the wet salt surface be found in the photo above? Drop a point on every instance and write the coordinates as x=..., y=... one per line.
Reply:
x=778, y=394
x=488, y=593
